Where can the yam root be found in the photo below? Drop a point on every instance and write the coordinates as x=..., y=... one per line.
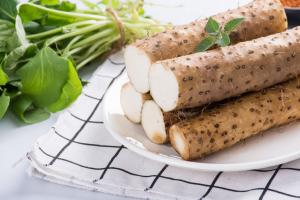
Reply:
x=201, y=78
x=261, y=18
x=224, y=126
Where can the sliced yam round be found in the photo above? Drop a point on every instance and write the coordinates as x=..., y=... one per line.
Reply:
x=137, y=66
x=261, y=18
x=153, y=122
x=132, y=102
x=228, y=123
x=201, y=78
x=156, y=123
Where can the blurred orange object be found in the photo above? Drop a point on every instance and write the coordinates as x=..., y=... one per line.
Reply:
x=291, y=3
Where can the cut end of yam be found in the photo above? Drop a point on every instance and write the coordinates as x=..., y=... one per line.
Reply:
x=153, y=122
x=164, y=86
x=137, y=65
x=132, y=103
x=178, y=142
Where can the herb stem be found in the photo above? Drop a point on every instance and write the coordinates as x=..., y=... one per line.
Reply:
x=100, y=51
x=71, y=43
x=92, y=57
x=77, y=32
x=60, y=29
x=101, y=34
x=93, y=48
x=73, y=15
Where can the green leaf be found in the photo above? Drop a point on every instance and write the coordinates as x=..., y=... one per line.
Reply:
x=7, y=29
x=3, y=77
x=66, y=6
x=17, y=37
x=212, y=26
x=49, y=2
x=58, y=5
x=45, y=16
x=224, y=40
x=205, y=44
x=71, y=90
x=12, y=42
x=18, y=56
x=2, y=56
x=232, y=24
x=4, y=103
x=43, y=77
x=12, y=88
x=8, y=9
x=23, y=107
x=33, y=28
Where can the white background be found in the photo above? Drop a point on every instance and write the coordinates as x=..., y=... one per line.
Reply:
x=16, y=138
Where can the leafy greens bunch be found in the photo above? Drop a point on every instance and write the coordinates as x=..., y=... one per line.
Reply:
x=44, y=42
x=217, y=35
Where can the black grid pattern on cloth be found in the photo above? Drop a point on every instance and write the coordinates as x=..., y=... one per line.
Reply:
x=160, y=174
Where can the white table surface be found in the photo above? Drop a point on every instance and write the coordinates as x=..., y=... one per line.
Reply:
x=18, y=138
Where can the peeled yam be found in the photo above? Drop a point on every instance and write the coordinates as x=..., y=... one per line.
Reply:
x=262, y=18
x=236, y=120
x=132, y=102
x=197, y=79
x=156, y=123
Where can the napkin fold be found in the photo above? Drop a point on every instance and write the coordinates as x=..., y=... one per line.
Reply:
x=78, y=151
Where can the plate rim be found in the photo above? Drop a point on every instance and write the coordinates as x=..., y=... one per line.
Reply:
x=176, y=162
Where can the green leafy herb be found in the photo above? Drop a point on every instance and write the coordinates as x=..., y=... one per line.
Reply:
x=7, y=29
x=212, y=26
x=206, y=43
x=44, y=42
x=49, y=2
x=4, y=102
x=24, y=108
x=223, y=40
x=19, y=56
x=70, y=91
x=43, y=77
x=8, y=9
x=232, y=24
x=217, y=35
x=3, y=77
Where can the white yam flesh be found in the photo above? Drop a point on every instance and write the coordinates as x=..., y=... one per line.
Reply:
x=206, y=77
x=132, y=102
x=261, y=18
x=137, y=66
x=153, y=122
x=156, y=123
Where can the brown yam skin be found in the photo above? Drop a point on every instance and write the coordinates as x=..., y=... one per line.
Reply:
x=236, y=120
x=262, y=18
x=174, y=117
x=226, y=72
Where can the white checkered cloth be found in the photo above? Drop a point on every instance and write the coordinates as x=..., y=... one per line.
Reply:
x=79, y=152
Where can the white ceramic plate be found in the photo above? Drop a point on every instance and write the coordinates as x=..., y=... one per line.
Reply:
x=276, y=146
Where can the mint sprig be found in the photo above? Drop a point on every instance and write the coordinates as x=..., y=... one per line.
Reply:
x=218, y=35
